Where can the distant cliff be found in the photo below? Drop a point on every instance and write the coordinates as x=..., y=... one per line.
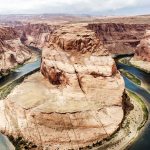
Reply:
x=141, y=58
x=35, y=34
x=142, y=51
x=119, y=38
x=12, y=51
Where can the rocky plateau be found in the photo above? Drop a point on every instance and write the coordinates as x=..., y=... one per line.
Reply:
x=75, y=101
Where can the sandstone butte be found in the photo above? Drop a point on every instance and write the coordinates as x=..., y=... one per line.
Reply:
x=12, y=51
x=141, y=58
x=75, y=101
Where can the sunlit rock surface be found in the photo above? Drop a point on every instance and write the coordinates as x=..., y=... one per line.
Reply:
x=75, y=101
x=143, y=49
x=141, y=58
x=12, y=51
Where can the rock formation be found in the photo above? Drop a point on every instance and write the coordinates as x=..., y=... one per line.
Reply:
x=36, y=34
x=12, y=51
x=141, y=58
x=119, y=38
x=78, y=100
x=142, y=51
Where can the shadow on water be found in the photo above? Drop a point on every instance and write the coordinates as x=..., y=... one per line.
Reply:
x=8, y=78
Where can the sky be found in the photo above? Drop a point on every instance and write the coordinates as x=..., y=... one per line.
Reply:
x=90, y=7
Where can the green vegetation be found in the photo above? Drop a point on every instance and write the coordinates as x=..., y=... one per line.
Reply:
x=7, y=72
x=143, y=106
x=4, y=91
x=21, y=143
x=16, y=67
x=125, y=61
x=131, y=77
x=2, y=74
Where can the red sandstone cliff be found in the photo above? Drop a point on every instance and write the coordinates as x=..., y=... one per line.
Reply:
x=35, y=34
x=119, y=38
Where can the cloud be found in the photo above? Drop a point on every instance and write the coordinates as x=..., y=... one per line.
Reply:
x=70, y=6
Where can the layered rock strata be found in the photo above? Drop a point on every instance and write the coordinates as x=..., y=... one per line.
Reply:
x=141, y=58
x=119, y=38
x=12, y=51
x=142, y=51
x=75, y=103
x=36, y=34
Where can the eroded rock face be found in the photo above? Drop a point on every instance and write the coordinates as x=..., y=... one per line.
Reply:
x=74, y=49
x=57, y=64
x=119, y=38
x=75, y=103
x=36, y=34
x=77, y=38
x=141, y=58
x=7, y=33
x=12, y=51
x=142, y=51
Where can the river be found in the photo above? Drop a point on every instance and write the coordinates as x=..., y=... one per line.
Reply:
x=141, y=143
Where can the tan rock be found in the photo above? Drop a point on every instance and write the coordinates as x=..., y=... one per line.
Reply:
x=76, y=102
x=64, y=117
x=143, y=49
x=12, y=51
x=141, y=58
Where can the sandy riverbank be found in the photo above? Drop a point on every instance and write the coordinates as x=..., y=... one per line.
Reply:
x=128, y=61
x=131, y=126
x=143, y=65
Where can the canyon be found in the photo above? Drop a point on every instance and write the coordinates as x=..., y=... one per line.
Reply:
x=119, y=38
x=35, y=35
x=76, y=99
x=12, y=51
